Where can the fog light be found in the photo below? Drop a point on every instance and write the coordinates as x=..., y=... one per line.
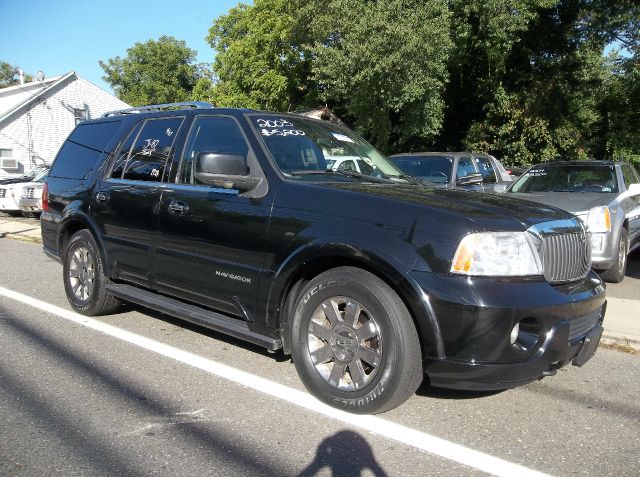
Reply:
x=514, y=333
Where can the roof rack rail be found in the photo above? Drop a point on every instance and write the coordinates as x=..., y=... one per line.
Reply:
x=160, y=107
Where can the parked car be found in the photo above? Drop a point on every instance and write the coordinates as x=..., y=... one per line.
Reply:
x=28, y=177
x=350, y=164
x=516, y=172
x=31, y=201
x=12, y=192
x=605, y=195
x=453, y=170
x=230, y=219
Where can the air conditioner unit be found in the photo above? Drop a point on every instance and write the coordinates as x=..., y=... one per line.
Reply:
x=8, y=163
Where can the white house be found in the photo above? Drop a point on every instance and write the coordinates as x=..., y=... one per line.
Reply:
x=36, y=118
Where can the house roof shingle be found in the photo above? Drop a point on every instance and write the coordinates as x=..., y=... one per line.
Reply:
x=14, y=98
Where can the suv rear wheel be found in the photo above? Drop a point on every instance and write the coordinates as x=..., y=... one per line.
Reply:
x=84, y=278
x=354, y=343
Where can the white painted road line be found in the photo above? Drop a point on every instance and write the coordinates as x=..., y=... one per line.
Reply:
x=375, y=425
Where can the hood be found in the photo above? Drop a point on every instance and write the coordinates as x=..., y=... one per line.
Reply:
x=488, y=211
x=15, y=180
x=572, y=202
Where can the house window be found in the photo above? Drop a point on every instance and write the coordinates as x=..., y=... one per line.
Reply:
x=6, y=159
x=80, y=114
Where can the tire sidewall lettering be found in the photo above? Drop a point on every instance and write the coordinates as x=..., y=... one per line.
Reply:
x=310, y=300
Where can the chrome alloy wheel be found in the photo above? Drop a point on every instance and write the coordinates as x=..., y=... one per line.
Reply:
x=622, y=254
x=82, y=273
x=345, y=343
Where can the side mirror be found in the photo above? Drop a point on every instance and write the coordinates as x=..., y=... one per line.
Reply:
x=500, y=188
x=229, y=171
x=634, y=188
x=475, y=178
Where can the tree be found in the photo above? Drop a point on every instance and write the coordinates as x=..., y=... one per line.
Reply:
x=157, y=71
x=9, y=75
x=553, y=81
x=382, y=65
x=259, y=59
x=484, y=35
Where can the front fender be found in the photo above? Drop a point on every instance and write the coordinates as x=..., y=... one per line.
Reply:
x=392, y=268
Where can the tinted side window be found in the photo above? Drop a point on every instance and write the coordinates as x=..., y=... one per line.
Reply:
x=347, y=165
x=123, y=154
x=151, y=149
x=629, y=175
x=211, y=134
x=486, y=169
x=95, y=135
x=82, y=150
x=465, y=167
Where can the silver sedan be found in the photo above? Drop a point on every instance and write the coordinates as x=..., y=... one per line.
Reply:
x=605, y=195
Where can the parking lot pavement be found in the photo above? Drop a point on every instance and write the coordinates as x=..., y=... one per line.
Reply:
x=140, y=393
x=622, y=321
x=20, y=228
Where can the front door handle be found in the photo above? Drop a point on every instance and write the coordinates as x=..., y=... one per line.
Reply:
x=178, y=208
x=102, y=197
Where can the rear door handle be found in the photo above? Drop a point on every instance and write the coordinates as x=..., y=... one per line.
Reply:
x=102, y=197
x=178, y=208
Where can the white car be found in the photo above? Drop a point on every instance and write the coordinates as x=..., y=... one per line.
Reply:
x=31, y=201
x=349, y=163
x=11, y=193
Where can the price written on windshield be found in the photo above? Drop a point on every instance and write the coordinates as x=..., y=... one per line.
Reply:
x=277, y=127
x=281, y=132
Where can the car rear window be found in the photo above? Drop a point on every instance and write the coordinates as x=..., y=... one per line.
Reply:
x=80, y=152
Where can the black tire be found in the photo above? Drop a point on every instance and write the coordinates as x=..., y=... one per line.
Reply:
x=84, y=279
x=365, y=356
x=617, y=271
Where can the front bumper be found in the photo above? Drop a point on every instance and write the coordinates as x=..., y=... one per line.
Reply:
x=604, y=250
x=476, y=318
x=31, y=205
x=9, y=204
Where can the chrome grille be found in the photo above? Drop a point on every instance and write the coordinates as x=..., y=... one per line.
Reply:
x=3, y=193
x=564, y=247
x=27, y=192
x=580, y=326
x=566, y=257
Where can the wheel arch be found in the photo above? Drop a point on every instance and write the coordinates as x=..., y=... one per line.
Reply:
x=72, y=224
x=287, y=289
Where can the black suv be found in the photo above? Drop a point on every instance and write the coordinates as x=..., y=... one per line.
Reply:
x=232, y=219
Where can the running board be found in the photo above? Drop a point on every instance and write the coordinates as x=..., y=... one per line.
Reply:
x=194, y=314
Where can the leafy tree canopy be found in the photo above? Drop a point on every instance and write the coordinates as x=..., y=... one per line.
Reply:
x=382, y=65
x=157, y=71
x=259, y=58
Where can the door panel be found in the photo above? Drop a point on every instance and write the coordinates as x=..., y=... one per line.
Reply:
x=212, y=240
x=125, y=205
x=211, y=248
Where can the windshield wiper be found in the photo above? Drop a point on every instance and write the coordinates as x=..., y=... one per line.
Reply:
x=350, y=174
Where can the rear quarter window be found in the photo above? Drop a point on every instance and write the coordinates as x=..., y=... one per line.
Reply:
x=79, y=154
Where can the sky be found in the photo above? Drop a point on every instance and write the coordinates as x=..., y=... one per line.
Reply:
x=59, y=36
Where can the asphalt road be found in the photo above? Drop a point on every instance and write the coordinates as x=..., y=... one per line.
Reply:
x=79, y=398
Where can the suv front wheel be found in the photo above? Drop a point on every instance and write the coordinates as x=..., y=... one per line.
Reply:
x=84, y=278
x=354, y=343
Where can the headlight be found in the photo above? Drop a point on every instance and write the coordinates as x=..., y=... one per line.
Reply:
x=498, y=254
x=599, y=219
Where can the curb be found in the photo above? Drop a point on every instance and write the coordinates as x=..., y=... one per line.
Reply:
x=621, y=340
x=22, y=238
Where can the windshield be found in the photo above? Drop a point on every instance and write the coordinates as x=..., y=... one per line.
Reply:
x=430, y=168
x=568, y=178
x=304, y=147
